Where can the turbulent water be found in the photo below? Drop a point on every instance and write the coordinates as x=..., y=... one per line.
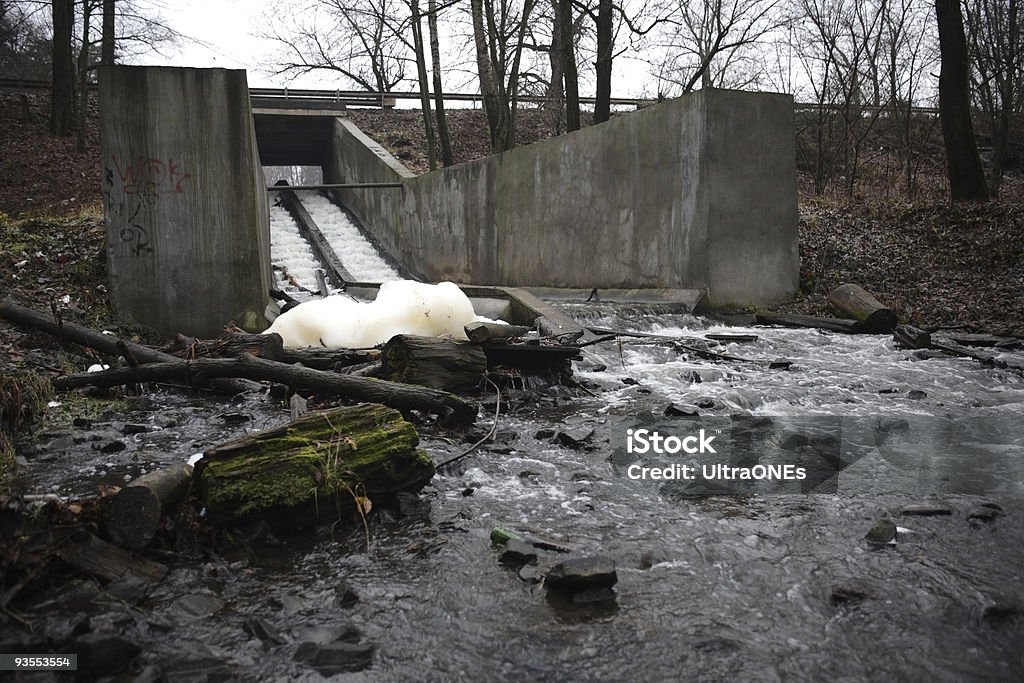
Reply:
x=749, y=585
x=729, y=587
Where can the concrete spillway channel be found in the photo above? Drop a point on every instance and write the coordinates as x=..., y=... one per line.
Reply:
x=300, y=245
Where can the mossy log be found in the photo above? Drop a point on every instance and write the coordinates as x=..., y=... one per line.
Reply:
x=315, y=467
x=855, y=302
x=432, y=362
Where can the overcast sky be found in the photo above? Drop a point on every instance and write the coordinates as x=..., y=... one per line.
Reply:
x=221, y=33
x=225, y=33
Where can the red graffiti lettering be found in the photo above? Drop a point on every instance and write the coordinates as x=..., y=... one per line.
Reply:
x=152, y=177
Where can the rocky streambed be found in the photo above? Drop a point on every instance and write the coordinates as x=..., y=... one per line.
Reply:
x=881, y=572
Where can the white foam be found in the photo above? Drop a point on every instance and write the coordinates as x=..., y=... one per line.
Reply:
x=401, y=307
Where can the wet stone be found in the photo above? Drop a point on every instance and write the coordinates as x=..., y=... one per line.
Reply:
x=518, y=553
x=82, y=423
x=883, y=532
x=582, y=573
x=335, y=658
x=780, y=364
x=691, y=376
x=575, y=437
x=112, y=446
x=199, y=604
x=134, y=428
x=629, y=381
x=544, y=433
x=649, y=558
x=100, y=655
x=344, y=595
x=235, y=418
x=682, y=410
x=849, y=592
x=131, y=589
x=916, y=395
x=267, y=634
x=985, y=512
x=529, y=573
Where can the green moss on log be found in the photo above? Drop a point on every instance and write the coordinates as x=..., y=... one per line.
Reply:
x=324, y=455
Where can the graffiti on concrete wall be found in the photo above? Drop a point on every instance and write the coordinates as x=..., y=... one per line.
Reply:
x=132, y=191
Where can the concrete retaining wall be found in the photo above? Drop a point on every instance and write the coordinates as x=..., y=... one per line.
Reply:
x=695, y=192
x=188, y=232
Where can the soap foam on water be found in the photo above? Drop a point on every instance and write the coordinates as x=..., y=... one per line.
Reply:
x=401, y=307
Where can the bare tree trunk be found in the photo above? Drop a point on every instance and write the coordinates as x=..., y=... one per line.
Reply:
x=447, y=158
x=569, y=72
x=605, y=49
x=109, y=40
x=421, y=74
x=83, y=77
x=62, y=105
x=493, y=106
x=555, y=92
x=966, y=176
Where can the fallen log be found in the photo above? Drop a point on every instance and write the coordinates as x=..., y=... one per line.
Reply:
x=433, y=362
x=271, y=347
x=480, y=332
x=229, y=345
x=319, y=466
x=104, y=343
x=855, y=302
x=132, y=517
x=912, y=337
x=401, y=396
x=106, y=561
x=832, y=324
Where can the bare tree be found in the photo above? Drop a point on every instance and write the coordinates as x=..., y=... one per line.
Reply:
x=447, y=158
x=109, y=33
x=966, y=176
x=62, y=103
x=363, y=41
x=83, y=73
x=995, y=33
x=704, y=39
x=498, y=38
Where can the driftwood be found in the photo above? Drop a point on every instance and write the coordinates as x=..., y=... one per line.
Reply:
x=854, y=302
x=106, y=561
x=832, y=324
x=912, y=337
x=271, y=347
x=104, y=343
x=133, y=516
x=318, y=466
x=402, y=396
x=481, y=332
x=433, y=362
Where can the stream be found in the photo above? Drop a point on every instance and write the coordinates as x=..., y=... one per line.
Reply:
x=753, y=584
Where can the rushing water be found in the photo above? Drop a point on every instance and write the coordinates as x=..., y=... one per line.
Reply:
x=741, y=587
x=729, y=587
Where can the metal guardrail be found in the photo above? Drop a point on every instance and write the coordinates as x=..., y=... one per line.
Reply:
x=387, y=99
